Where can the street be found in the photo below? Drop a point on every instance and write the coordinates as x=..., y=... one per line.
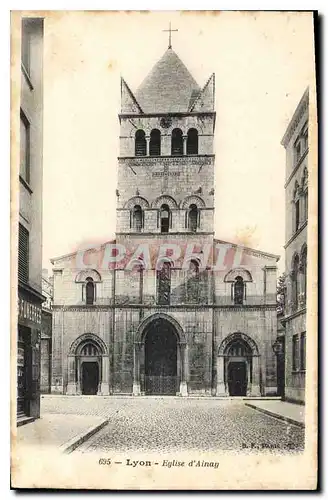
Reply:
x=177, y=424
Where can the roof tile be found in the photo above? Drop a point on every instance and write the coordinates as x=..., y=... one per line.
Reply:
x=168, y=88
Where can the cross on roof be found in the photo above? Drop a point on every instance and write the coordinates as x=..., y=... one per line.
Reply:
x=170, y=32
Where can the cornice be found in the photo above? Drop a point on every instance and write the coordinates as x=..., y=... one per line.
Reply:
x=155, y=115
x=24, y=287
x=27, y=76
x=294, y=315
x=300, y=229
x=195, y=307
x=166, y=160
x=248, y=250
x=296, y=167
x=296, y=118
x=166, y=235
x=82, y=308
x=25, y=184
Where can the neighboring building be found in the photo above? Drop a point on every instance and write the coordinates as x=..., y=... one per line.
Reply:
x=295, y=142
x=46, y=332
x=279, y=344
x=30, y=221
x=155, y=327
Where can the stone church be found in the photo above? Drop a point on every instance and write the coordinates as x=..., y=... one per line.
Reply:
x=166, y=308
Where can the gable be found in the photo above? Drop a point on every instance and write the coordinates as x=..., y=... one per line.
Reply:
x=129, y=103
x=205, y=100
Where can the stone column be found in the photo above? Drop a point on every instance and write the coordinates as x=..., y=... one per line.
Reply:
x=78, y=382
x=184, y=145
x=249, y=373
x=220, y=388
x=302, y=210
x=104, y=384
x=147, y=145
x=256, y=390
x=183, y=371
x=71, y=384
x=136, y=369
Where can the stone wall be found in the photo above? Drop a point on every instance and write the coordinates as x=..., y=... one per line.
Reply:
x=68, y=324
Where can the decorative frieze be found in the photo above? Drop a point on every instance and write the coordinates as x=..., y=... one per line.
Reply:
x=166, y=160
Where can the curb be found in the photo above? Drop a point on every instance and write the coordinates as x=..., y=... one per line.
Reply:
x=131, y=396
x=277, y=415
x=76, y=441
x=25, y=420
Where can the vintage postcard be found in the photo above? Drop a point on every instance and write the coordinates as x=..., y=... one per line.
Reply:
x=164, y=250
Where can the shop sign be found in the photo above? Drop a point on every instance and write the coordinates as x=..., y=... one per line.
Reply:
x=28, y=311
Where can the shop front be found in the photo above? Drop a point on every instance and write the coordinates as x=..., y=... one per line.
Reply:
x=28, y=355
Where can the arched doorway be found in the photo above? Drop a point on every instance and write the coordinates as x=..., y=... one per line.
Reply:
x=88, y=366
x=238, y=367
x=160, y=359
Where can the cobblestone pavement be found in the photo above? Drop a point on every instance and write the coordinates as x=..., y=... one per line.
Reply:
x=177, y=424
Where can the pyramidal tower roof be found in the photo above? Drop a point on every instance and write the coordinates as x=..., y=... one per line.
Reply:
x=169, y=87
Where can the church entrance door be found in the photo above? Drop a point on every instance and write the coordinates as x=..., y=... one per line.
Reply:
x=237, y=378
x=161, y=359
x=90, y=377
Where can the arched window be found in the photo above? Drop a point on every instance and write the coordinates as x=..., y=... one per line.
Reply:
x=305, y=193
x=193, y=218
x=89, y=349
x=137, y=218
x=193, y=282
x=90, y=291
x=177, y=142
x=303, y=269
x=165, y=216
x=239, y=348
x=163, y=276
x=296, y=206
x=239, y=291
x=295, y=282
x=306, y=204
x=192, y=142
x=155, y=143
x=140, y=143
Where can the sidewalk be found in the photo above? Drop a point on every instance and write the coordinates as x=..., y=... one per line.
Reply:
x=289, y=412
x=63, y=432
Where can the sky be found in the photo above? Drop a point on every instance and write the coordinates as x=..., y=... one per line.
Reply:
x=263, y=61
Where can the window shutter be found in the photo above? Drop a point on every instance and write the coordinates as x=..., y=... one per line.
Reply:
x=244, y=290
x=23, y=254
x=198, y=218
x=231, y=291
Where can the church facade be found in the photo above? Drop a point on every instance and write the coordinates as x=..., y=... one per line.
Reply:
x=166, y=308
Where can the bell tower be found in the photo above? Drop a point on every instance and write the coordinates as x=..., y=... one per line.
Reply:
x=166, y=163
